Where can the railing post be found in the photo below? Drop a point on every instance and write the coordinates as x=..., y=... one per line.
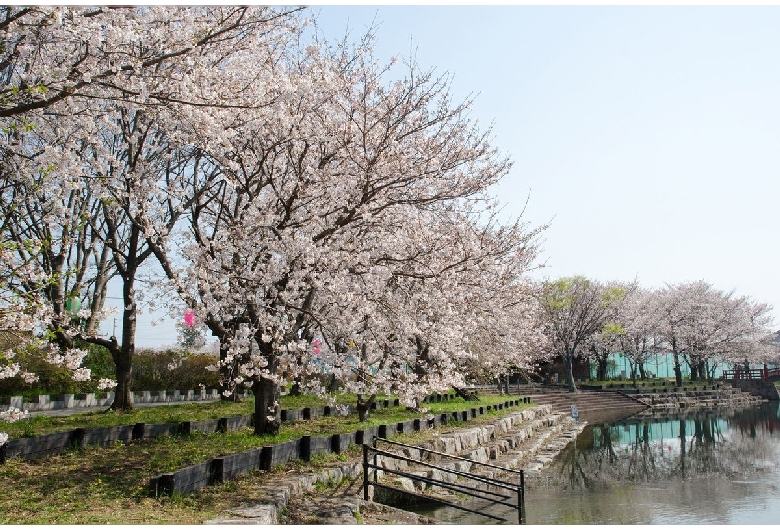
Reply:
x=365, y=472
x=519, y=504
x=522, y=485
x=376, y=478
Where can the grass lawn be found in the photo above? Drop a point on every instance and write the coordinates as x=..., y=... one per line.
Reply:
x=99, y=485
x=39, y=425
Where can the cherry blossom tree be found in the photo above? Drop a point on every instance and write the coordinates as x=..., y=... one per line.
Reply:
x=152, y=55
x=446, y=304
x=705, y=327
x=637, y=340
x=630, y=333
x=72, y=79
x=314, y=179
x=672, y=309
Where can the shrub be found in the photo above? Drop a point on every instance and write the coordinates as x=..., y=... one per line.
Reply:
x=152, y=370
x=173, y=369
x=51, y=379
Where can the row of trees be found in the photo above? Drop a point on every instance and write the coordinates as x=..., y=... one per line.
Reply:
x=695, y=323
x=315, y=211
x=325, y=216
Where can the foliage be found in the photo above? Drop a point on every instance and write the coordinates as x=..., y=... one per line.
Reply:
x=173, y=370
x=51, y=379
x=576, y=309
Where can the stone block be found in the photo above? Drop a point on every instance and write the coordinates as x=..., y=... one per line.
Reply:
x=292, y=415
x=62, y=401
x=234, y=423
x=153, y=430
x=185, y=480
x=366, y=436
x=37, y=447
x=189, y=427
x=342, y=442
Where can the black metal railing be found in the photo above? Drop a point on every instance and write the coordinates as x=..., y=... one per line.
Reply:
x=494, y=491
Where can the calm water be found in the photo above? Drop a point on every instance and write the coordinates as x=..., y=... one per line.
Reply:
x=700, y=468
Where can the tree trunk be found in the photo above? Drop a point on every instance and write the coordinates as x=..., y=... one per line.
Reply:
x=333, y=384
x=568, y=364
x=123, y=356
x=364, y=406
x=122, y=392
x=677, y=369
x=703, y=371
x=268, y=412
x=602, y=368
x=693, y=365
x=463, y=393
x=642, y=373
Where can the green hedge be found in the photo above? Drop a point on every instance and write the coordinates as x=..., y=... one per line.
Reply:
x=150, y=372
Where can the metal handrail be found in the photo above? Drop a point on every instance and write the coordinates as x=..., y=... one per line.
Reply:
x=486, y=495
x=451, y=457
x=458, y=488
x=471, y=476
x=446, y=503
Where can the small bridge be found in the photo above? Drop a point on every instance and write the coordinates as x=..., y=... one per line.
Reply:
x=759, y=382
x=764, y=374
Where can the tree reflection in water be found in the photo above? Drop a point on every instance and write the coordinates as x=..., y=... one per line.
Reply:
x=705, y=467
x=660, y=448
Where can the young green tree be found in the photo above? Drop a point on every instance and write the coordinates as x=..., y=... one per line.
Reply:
x=576, y=309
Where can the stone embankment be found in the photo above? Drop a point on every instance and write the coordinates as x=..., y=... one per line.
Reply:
x=603, y=405
x=705, y=398
x=527, y=439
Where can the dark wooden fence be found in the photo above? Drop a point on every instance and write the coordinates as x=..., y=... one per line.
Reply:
x=193, y=478
x=31, y=448
x=35, y=447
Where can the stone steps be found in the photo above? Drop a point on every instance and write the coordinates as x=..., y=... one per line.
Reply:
x=517, y=437
x=591, y=405
x=531, y=445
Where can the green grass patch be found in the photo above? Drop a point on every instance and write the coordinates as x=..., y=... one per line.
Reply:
x=108, y=485
x=39, y=425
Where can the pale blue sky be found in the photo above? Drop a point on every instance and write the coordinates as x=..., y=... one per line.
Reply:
x=648, y=135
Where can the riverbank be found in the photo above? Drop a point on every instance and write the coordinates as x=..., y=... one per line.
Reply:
x=336, y=498
x=527, y=439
